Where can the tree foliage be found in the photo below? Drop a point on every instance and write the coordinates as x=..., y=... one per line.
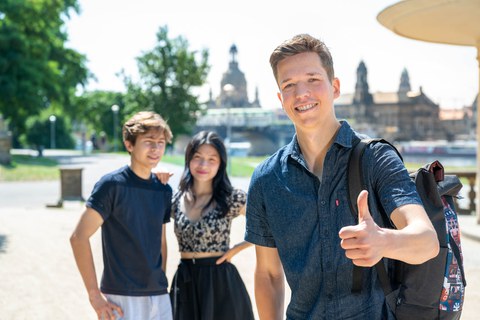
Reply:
x=37, y=71
x=168, y=75
x=38, y=134
x=95, y=110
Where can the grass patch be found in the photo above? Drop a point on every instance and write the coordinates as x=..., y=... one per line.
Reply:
x=173, y=159
x=28, y=168
x=241, y=166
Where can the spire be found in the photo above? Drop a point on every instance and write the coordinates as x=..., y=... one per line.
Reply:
x=362, y=94
x=233, y=53
x=404, y=86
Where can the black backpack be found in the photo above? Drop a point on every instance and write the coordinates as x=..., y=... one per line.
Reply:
x=436, y=288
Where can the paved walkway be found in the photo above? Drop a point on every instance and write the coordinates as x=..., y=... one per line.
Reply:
x=38, y=276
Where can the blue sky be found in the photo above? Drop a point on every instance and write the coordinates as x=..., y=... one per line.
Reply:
x=113, y=32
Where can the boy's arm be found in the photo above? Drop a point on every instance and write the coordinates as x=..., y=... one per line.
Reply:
x=269, y=284
x=164, y=249
x=89, y=223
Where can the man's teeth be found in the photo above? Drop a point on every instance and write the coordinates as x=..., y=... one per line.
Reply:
x=306, y=107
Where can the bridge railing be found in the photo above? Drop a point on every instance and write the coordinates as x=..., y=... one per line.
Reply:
x=466, y=204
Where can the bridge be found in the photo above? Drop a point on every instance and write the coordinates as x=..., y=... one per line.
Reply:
x=256, y=131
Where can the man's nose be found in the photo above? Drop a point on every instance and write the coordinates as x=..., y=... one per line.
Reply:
x=302, y=90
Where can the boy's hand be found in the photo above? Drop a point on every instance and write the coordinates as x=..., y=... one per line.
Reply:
x=162, y=174
x=105, y=310
x=363, y=243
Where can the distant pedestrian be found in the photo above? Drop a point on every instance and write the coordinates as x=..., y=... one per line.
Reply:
x=131, y=206
x=93, y=140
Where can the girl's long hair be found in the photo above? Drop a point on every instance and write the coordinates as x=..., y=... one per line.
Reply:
x=221, y=186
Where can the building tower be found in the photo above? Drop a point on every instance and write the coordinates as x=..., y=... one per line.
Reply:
x=362, y=98
x=233, y=86
x=404, y=87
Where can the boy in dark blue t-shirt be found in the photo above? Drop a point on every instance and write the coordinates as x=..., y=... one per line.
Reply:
x=132, y=206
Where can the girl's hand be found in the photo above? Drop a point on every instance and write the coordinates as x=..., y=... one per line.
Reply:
x=227, y=256
x=233, y=251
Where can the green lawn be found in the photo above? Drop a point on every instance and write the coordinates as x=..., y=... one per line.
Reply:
x=241, y=167
x=28, y=168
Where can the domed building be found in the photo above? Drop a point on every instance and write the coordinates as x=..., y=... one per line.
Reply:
x=244, y=124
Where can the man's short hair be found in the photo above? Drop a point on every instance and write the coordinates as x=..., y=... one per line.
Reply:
x=299, y=44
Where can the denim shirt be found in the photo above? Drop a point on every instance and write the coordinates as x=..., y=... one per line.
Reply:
x=291, y=209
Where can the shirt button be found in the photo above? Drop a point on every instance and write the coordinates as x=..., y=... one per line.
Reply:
x=323, y=202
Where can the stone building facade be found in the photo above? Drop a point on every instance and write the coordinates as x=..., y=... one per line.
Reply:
x=397, y=116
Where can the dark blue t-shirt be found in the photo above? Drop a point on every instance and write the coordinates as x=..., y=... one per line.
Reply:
x=133, y=210
x=291, y=209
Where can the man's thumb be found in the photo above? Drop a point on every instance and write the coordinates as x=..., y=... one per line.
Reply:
x=362, y=203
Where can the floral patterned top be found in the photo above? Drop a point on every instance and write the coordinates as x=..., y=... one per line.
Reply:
x=211, y=233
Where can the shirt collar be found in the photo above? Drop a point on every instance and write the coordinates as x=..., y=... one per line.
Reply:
x=344, y=138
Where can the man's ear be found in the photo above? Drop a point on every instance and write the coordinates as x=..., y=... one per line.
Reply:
x=128, y=145
x=336, y=88
x=279, y=96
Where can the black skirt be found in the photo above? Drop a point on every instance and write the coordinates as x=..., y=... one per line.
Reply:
x=202, y=290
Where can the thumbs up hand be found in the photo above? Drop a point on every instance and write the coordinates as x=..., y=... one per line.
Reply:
x=364, y=242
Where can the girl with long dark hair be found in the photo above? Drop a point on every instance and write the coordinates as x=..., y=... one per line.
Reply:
x=206, y=285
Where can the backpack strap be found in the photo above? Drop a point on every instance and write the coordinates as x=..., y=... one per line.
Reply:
x=458, y=256
x=356, y=183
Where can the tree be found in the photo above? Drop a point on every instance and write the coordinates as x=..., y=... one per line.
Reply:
x=95, y=110
x=37, y=71
x=168, y=75
x=39, y=130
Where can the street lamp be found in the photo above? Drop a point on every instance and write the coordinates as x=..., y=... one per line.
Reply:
x=52, y=119
x=229, y=89
x=115, y=109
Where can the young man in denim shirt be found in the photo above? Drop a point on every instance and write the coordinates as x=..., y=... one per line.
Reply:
x=297, y=209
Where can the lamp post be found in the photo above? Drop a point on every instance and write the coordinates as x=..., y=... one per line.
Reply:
x=52, y=119
x=115, y=109
x=229, y=89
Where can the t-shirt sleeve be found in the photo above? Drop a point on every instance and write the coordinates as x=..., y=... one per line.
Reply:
x=101, y=198
x=257, y=230
x=392, y=182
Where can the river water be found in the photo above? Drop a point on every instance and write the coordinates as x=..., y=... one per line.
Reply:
x=447, y=161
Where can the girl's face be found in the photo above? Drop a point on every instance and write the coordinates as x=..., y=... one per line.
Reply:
x=205, y=163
